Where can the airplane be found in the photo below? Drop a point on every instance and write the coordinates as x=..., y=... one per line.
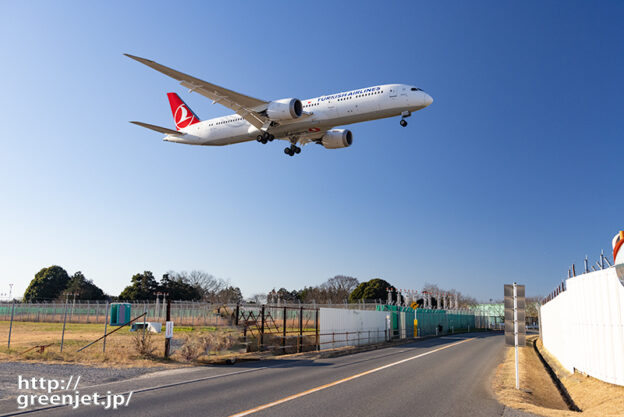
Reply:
x=298, y=121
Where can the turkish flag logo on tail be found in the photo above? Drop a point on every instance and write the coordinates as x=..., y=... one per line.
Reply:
x=183, y=116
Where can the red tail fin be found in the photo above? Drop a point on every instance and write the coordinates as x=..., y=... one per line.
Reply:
x=183, y=116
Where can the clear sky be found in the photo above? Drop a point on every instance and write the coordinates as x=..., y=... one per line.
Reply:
x=512, y=174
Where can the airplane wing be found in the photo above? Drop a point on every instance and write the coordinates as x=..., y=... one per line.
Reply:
x=247, y=107
x=159, y=129
x=309, y=137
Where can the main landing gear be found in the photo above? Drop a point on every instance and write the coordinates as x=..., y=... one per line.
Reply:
x=265, y=137
x=292, y=150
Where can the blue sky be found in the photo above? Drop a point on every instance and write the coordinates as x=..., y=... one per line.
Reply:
x=512, y=174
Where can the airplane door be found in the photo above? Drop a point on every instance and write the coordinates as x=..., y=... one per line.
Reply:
x=393, y=91
x=403, y=93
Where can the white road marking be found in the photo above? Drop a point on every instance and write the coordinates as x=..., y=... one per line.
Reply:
x=340, y=381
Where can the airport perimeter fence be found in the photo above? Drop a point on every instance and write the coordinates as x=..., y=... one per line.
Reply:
x=434, y=322
x=285, y=328
x=182, y=313
x=583, y=324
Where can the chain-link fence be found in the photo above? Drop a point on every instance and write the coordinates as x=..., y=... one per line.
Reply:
x=182, y=313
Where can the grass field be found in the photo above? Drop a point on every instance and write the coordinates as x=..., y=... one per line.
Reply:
x=120, y=346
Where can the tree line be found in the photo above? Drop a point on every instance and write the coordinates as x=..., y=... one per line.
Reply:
x=54, y=283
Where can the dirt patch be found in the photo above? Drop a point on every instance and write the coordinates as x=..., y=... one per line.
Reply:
x=594, y=397
x=537, y=391
x=539, y=395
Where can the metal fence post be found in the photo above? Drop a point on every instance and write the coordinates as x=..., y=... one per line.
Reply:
x=316, y=320
x=105, y=327
x=64, y=322
x=284, y=330
x=262, y=329
x=300, y=345
x=71, y=315
x=11, y=325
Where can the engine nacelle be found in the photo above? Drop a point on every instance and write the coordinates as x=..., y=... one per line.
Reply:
x=284, y=109
x=337, y=138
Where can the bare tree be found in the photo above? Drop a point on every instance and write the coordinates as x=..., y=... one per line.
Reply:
x=259, y=298
x=334, y=290
x=229, y=295
x=340, y=286
x=532, y=305
x=208, y=285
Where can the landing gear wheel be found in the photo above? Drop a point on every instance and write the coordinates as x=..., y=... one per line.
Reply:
x=259, y=138
x=297, y=149
x=288, y=151
x=270, y=137
x=403, y=122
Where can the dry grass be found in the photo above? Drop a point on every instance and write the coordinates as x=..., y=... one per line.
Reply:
x=594, y=397
x=121, y=346
x=144, y=343
x=539, y=395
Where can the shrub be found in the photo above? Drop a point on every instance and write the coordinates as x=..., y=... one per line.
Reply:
x=144, y=343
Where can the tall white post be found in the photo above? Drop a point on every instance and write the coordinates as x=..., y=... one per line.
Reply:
x=515, y=300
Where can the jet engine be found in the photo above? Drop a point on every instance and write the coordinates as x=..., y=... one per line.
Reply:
x=337, y=138
x=284, y=109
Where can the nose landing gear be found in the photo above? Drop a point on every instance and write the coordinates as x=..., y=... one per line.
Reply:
x=404, y=114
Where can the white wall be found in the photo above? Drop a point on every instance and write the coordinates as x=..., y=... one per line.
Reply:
x=335, y=322
x=583, y=327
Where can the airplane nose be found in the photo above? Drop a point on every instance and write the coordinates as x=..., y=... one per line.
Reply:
x=427, y=99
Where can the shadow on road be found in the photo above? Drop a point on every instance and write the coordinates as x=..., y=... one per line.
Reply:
x=384, y=352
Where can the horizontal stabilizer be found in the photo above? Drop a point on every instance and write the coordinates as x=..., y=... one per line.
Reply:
x=159, y=129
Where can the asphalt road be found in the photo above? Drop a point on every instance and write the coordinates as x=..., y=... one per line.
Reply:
x=447, y=376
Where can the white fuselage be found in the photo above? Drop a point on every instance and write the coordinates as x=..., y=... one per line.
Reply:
x=320, y=114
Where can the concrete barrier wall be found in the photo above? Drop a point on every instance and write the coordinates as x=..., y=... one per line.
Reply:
x=339, y=327
x=583, y=327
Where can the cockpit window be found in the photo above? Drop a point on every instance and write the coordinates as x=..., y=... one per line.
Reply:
x=416, y=89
